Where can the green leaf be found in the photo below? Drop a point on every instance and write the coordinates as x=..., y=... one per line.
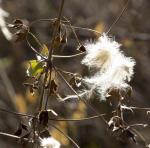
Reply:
x=35, y=68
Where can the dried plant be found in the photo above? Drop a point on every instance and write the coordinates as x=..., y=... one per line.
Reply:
x=109, y=83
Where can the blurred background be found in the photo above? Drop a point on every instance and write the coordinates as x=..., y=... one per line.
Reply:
x=132, y=31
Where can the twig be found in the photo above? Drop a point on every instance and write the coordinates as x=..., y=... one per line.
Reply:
x=8, y=85
x=76, y=37
x=91, y=107
x=68, y=137
x=81, y=119
x=15, y=113
x=118, y=18
x=84, y=28
x=34, y=50
x=68, y=56
x=51, y=48
x=138, y=108
x=13, y=136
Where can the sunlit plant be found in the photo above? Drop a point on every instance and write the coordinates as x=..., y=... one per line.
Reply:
x=110, y=82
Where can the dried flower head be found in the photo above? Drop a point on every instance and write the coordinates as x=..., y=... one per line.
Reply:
x=114, y=69
x=49, y=142
x=101, y=53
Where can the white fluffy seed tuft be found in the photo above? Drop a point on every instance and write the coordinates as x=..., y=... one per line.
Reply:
x=49, y=142
x=114, y=69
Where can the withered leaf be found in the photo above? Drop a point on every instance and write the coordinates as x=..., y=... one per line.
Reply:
x=20, y=128
x=26, y=135
x=75, y=81
x=18, y=132
x=21, y=34
x=17, y=23
x=64, y=38
x=44, y=51
x=43, y=117
x=130, y=134
x=45, y=134
x=22, y=29
x=54, y=87
x=57, y=41
x=82, y=48
x=24, y=127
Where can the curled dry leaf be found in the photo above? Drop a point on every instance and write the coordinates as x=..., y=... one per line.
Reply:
x=22, y=29
x=54, y=87
x=20, y=128
x=82, y=48
x=43, y=117
x=120, y=130
x=75, y=81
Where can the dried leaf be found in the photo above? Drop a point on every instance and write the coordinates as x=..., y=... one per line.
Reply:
x=75, y=81
x=24, y=127
x=54, y=87
x=20, y=128
x=45, y=134
x=82, y=48
x=21, y=34
x=64, y=38
x=43, y=117
x=57, y=41
x=129, y=134
x=19, y=131
x=16, y=24
x=44, y=51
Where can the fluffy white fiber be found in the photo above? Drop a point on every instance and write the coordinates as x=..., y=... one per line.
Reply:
x=114, y=69
x=3, y=25
x=49, y=142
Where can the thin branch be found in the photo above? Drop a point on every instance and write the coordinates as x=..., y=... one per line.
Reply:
x=33, y=49
x=13, y=136
x=8, y=85
x=68, y=137
x=75, y=35
x=42, y=20
x=68, y=56
x=138, y=124
x=31, y=116
x=81, y=119
x=84, y=28
x=51, y=48
x=118, y=18
x=138, y=108
x=49, y=90
x=36, y=39
x=91, y=107
x=15, y=113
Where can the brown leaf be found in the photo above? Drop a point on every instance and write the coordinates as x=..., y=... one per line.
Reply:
x=20, y=128
x=43, y=117
x=75, y=82
x=21, y=34
x=64, y=38
x=45, y=134
x=82, y=48
x=53, y=88
x=16, y=24
x=18, y=132
x=57, y=41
